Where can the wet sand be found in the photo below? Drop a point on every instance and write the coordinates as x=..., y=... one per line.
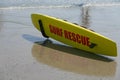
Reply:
x=26, y=55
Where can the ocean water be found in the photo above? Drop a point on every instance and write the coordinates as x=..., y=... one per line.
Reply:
x=32, y=3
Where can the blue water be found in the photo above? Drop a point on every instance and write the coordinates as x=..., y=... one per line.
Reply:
x=29, y=3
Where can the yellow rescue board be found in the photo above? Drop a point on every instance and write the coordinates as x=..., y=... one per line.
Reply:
x=74, y=35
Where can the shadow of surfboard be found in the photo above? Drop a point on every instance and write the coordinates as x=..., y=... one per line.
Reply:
x=64, y=48
x=74, y=51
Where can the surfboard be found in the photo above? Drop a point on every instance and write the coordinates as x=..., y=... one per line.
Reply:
x=74, y=35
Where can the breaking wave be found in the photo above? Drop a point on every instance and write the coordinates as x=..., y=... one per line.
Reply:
x=102, y=4
x=62, y=6
x=32, y=7
x=31, y=4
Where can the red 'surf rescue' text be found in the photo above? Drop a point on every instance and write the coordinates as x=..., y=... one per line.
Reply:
x=84, y=40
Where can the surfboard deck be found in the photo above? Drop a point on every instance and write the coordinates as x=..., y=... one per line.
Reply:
x=74, y=35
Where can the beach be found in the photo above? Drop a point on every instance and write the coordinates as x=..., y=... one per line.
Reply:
x=24, y=57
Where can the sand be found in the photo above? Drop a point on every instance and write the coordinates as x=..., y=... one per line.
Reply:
x=23, y=56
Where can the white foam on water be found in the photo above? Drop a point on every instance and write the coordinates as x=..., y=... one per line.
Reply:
x=28, y=4
x=32, y=7
x=101, y=4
